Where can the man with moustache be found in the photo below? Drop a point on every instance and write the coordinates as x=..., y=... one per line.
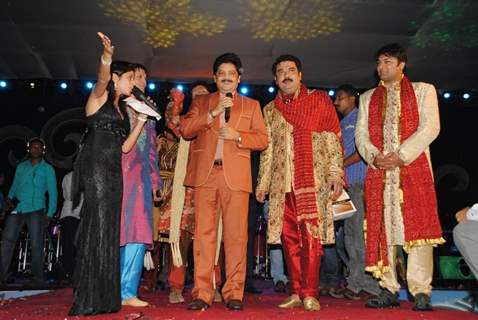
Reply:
x=301, y=171
x=396, y=123
x=226, y=127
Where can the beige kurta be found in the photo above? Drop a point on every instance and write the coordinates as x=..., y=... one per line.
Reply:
x=408, y=151
x=277, y=167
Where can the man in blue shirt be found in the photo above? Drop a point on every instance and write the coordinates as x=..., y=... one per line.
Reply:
x=359, y=283
x=33, y=179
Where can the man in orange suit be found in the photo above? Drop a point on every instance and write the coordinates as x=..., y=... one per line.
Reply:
x=226, y=127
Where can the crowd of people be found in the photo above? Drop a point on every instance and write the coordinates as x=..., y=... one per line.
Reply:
x=197, y=183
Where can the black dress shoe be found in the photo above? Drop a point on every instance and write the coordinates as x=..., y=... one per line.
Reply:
x=351, y=295
x=385, y=299
x=280, y=286
x=234, y=305
x=422, y=303
x=362, y=295
x=252, y=289
x=198, y=304
x=336, y=292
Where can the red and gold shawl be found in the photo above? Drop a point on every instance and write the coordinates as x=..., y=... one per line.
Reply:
x=307, y=113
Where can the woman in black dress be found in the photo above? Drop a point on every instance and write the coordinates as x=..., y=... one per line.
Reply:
x=98, y=175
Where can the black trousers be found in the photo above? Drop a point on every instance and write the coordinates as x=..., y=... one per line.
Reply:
x=69, y=227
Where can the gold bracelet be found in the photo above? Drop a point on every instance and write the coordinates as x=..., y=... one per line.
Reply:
x=105, y=62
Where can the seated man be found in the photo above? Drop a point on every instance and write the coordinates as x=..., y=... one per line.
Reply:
x=465, y=235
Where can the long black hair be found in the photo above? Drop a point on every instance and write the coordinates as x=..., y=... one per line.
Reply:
x=119, y=68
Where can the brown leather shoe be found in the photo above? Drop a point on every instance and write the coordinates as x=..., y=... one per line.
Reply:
x=198, y=304
x=234, y=305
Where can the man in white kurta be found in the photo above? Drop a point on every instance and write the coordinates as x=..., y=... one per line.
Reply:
x=393, y=157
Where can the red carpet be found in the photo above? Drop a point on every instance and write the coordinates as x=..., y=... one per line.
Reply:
x=55, y=305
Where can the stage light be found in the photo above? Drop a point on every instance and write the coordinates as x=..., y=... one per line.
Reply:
x=271, y=89
x=244, y=90
x=3, y=84
x=89, y=85
x=331, y=92
x=32, y=85
x=466, y=96
x=163, y=31
x=447, y=95
x=63, y=85
x=151, y=86
x=180, y=87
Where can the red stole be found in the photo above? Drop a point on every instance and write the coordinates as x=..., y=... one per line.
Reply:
x=307, y=113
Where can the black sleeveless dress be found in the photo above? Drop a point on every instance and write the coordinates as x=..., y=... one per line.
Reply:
x=97, y=173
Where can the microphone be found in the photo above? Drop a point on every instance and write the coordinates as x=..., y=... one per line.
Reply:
x=227, y=111
x=142, y=97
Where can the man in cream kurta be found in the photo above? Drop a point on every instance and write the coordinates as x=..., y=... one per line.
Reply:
x=396, y=154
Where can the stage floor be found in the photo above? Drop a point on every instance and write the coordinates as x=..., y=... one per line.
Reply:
x=55, y=305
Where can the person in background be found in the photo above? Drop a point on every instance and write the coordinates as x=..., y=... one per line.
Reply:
x=360, y=284
x=2, y=195
x=332, y=265
x=465, y=235
x=69, y=221
x=255, y=210
x=181, y=218
x=34, y=179
x=277, y=260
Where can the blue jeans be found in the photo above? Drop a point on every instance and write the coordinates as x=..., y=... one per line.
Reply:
x=331, y=265
x=35, y=222
x=358, y=279
x=277, y=264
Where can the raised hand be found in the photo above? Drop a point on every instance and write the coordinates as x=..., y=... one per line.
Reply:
x=176, y=95
x=108, y=49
